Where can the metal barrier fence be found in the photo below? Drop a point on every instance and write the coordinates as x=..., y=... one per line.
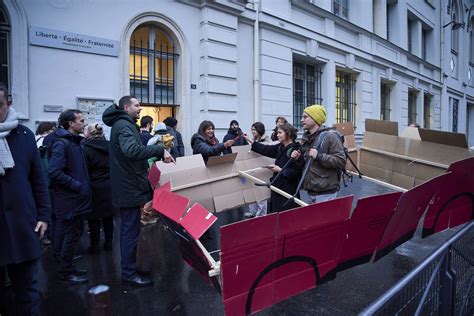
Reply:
x=443, y=284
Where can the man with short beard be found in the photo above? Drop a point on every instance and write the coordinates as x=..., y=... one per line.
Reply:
x=128, y=173
x=25, y=210
x=146, y=126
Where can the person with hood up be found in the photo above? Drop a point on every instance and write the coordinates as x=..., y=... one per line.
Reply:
x=71, y=191
x=325, y=152
x=128, y=172
x=204, y=142
x=236, y=134
x=96, y=152
x=163, y=136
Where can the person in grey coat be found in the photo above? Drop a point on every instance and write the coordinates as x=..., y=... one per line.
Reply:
x=128, y=173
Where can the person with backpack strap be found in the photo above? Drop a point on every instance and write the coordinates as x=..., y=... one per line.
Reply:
x=324, y=156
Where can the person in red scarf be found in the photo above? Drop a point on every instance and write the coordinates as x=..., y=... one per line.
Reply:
x=204, y=142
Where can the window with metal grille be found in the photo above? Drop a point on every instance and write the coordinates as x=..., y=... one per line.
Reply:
x=385, y=102
x=4, y=48
x=454, y=32
x=427, y=111
x=412, y=96
x=455, y=106
x=340, y=8
x=153, y=64
x=306, y=89
x=471, y=42
x=345, y=97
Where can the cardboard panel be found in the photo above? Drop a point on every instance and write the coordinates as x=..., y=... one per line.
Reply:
x=411, y=132
x=244, y=152
x=184, y=177
x=380, y=141
x=377, y=173
x=170, y=204
x=197, y=220
x=154, y=176
x=365, y=227
x=441, y=137
x=182, y=163
x=382, y=127
x=402, y=180
x=226, y=201
x=218, y=160
x=225, y=186
x=376, y=160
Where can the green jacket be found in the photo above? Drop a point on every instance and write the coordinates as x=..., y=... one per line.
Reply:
x=128, y=160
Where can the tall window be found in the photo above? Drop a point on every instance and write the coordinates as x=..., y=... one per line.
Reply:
x=340, y=8
x=385, y=102
x=455, y=107
x=4, y=47
x=153, y=64
x=454, y=33
x=423, y=43
x=412, y=96
x=427, y=111
x=306, y=89
x=345, y=97
x=410, y=35
x=471, y=42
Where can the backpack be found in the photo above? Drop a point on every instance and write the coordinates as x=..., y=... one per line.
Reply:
x=342, y=172
x=45, y=157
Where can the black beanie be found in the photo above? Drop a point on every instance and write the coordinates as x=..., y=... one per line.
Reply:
x=170, y=121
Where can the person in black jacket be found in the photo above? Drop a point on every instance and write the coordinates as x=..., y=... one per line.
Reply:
x=128, y=172
x=146, y=126
x=279, y=121
x=234, y=133
x=24, y=210
x=171, y=124
x=71, y=191
x=288, y=180
x=204, y=142
x=96, y=152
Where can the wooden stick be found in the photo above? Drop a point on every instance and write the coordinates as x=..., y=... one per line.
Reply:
x=209, y=258
x=385, y=184
x=273, y=188
x=206, y=181
x=387, y=153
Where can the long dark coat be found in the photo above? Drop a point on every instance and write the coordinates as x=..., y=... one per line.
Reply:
x=288, y=180
x=202, y=145
x=128, y=159
x=96, y=153
x=68, y=175
x=24, y=200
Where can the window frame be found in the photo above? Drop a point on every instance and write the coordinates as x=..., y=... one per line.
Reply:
x=412, y=106
x=5, y=68
x=341, y=8
x=302, y=98
x=346, y=97
x=385, y=109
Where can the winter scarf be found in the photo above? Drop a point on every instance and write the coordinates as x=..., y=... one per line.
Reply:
x=6, y=159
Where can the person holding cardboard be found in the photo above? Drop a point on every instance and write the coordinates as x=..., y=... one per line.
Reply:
x=234, y=132
x=324, y=155
x=25, y=210
x=204, y=142
x=130, y=186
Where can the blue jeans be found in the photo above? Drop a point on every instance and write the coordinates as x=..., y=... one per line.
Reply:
x=311, y=199
x=129, y=234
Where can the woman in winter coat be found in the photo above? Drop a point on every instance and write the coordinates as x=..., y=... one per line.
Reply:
x=205, y=143
x=96, y=153
x=258, y=208
x=288, y=180
x=279, y=121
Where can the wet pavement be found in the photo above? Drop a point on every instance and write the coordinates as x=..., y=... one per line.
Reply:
x=179, y=290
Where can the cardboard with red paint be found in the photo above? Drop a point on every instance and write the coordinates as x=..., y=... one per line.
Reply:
x=197, y=220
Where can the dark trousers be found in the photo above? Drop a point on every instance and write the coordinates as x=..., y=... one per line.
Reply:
x=23, y=277
x=71, y=231
x=129, y=234
x=94, y=230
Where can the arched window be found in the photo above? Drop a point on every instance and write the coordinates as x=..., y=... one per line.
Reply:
x=4, y=47
x=455, y=16
x=471, y=42
x=153, y=65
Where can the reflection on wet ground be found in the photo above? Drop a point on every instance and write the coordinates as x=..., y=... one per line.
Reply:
x=179, y=290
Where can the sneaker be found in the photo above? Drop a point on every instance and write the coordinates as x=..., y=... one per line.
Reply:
x=249, y=215
x=147, y=219
x=46, y=241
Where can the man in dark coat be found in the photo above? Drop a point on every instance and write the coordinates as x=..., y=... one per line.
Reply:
x=24, y=209
x=234, y=133
x=146, y=126
x=128, y=172
x=71, y=191
x=171, y=124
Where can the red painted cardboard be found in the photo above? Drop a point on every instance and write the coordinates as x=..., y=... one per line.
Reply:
x=170, y=204
x=154, y=176
x=197, y=220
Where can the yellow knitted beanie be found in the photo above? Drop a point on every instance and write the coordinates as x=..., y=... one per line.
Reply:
x=317, y=113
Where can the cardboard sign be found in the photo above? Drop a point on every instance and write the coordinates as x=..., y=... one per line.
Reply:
x=154, y=176
x=197, y=220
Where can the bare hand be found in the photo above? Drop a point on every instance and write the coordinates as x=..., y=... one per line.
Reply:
x=274, y=168
x=247, y=139
x=229, y=143
x=41, y=228
x=296, y=154
x=167, y=158
x=313, y=153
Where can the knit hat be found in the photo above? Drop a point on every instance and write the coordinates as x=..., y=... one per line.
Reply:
x=317, y=113
x=170, y=121
x=233, y=122
x=160, y=128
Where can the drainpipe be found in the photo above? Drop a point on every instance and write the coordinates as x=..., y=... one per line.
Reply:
x=256, y=63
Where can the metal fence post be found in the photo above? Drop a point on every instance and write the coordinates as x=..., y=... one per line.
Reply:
x=447, y=283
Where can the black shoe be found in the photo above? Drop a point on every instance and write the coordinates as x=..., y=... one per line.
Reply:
x=74, y=278
x=137, y=281
x=79, y=271
x=108, y=245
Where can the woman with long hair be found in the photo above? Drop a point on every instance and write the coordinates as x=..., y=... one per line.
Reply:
x=288, y=179
x=278, y=121
x=204, y=142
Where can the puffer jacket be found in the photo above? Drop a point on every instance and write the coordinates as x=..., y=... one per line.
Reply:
x=323, y=176
x=202, y=146
x=128, y=159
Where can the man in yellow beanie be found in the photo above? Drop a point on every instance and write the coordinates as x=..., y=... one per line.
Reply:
x=324, y=152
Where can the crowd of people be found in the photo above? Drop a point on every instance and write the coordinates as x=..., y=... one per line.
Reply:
x=69, y=173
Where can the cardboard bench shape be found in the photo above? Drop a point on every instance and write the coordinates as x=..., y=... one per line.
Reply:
x=408, y=161
x=218, y=186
